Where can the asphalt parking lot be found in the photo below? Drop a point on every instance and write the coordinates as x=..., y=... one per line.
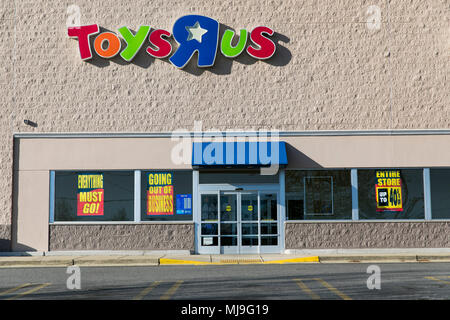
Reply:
x=397, y=281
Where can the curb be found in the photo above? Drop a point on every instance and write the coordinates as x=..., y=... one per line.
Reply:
x=167, y=261
x=384, y=258
x=127, y=261
x=377, y=258
x=172, y=262
x=36, y=263
x=295, y=260
x=431, y=258
x=42, y=261
x=140, y=261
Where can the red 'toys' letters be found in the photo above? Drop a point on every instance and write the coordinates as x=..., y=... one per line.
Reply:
x=83, y=33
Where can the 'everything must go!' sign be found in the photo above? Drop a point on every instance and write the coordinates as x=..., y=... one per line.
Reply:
x=193, y=33
x=90, y=195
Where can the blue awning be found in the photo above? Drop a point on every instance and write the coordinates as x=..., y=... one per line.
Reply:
x=236, y=154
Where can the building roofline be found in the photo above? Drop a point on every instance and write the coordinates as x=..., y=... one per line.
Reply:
x=75, y=135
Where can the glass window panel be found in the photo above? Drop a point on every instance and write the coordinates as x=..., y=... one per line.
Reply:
x=269, y=228
x=268, y=206
x=325, y=194
x=228, y=241
x=249, y=241
x=249, y=206
x=228, y=207
x=249, y=228
x=209, y=207
x=94, y=196
x=209, y=229
x=440, y=193
x=319, y=195
x=228, y=228
x=166, y=195
x=390, y=194
x=294, y=206
x=269, y=241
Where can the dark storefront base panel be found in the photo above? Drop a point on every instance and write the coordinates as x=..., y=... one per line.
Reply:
x=122, y=237
x=5, y=237
x=352, y=235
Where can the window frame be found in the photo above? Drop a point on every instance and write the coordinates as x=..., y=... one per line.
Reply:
x=428, y=188
x=428, y=212
x=393, y=220
x=318, y=220
x=136, y=199
x=138, y=195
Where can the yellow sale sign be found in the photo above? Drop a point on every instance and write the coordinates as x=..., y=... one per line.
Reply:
x=90, y=196
x=159, y=193
x=388, y=191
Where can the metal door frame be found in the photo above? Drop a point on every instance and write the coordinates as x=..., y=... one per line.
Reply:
x=217, y=189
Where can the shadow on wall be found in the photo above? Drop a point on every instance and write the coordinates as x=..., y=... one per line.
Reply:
x=298, y=159
x=18, y=247
x=222, y=65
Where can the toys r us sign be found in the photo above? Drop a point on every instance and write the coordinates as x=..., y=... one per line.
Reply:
x=193, y=33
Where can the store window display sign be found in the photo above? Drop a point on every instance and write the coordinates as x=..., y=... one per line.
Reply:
x=90, y=195
x=184, y=204
x=159, y=194
x=388, y=191
x=193, y=33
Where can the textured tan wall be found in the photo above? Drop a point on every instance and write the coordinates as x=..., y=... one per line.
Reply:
x=330, y=71
x=380, y=234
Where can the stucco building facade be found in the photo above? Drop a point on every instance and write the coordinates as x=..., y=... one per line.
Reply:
x=354, y=90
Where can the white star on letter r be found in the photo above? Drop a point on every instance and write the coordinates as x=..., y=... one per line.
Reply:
x=196, y=32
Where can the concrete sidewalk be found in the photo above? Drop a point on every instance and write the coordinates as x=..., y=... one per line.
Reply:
x=155, y=258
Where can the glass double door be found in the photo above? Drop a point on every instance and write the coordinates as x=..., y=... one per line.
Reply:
x=239, y=222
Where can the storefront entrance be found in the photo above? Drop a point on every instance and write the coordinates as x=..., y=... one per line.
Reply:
x=238, y=219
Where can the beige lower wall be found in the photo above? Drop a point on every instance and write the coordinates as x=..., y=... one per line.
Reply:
x=361, y=234
x=31, y=212
x=159, y=236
